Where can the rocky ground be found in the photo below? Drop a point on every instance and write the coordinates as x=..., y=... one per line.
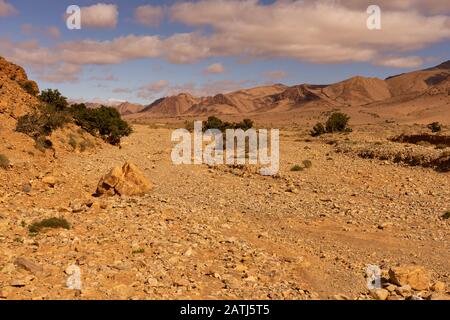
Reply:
x=213, y=232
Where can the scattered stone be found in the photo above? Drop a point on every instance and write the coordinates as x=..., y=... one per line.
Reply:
x=152, y=282
x=26, y=188
x=50, y=181
x=391, y=287
x=341, y=297
x=379, y=294
x=439, y=296
x=28, y=265
x=404, y=291
x=438, y=287
x=417, y=277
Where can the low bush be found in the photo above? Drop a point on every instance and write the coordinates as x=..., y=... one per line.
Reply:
x=318, y=130
x=216, y=123
x=337, y=122
x=29, y=87
x=4, y=162
x=296, y=168
x=435, y=127
x=52, y=223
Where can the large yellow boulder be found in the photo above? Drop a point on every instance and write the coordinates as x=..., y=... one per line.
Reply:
x=127, y=180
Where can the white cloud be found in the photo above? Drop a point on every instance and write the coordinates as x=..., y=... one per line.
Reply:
x=100, y=15
x=6, y=9
x=214, y=68
x=51, y=32
x=149, y=90
x=62, y=73
x=276, y=74
x=312, y=31
x=315, y=31
x=401, y=62
x=148, y=15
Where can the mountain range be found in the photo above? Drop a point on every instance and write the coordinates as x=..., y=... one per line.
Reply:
x=357, y=91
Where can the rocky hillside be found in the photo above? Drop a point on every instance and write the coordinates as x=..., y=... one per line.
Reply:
x=356, y=91
x=16, y=92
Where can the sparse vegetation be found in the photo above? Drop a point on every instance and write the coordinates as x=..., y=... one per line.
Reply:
x=52, y=223
x=104, y=121
x=435, y=127
x=296, y=168
x=72, y=142
x=139, y=251
x=4, y=162
x=337, y=122
x=54, y=98
x=29, y=87
x=216, y=123
x=318, y=130
x=54, y=113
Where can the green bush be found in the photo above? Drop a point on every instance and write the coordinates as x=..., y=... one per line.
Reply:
x=54, y=98
x=216, y=123
x=42, y=143
x=337, y=122
x=435, y=127
x=318, y=130
x=296, y=168
x=42, y=122
x=29, y=87
x=4, y=162
x=53, y=223
x=103, y=121
x=55, y=113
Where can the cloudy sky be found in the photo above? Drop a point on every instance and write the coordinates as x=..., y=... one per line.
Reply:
x=141, y=50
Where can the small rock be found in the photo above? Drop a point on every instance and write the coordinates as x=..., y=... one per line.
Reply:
x=379, y=294
x=417, y=277
x=391, y=288
x=18, y=283
x=50, y=181
x=404, y=291
x=26, y=188
x=438, y=287
x=28, y=265
x=152, y=282
x=341, y=297
x=439, y=296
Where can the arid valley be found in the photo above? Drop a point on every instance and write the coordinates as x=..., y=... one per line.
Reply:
x=355, y=199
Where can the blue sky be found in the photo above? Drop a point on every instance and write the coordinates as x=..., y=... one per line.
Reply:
x=231, y=34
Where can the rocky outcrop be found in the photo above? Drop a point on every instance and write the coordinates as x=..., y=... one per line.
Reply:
x=127, y=180
x=416, y=277
x=16, y=91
